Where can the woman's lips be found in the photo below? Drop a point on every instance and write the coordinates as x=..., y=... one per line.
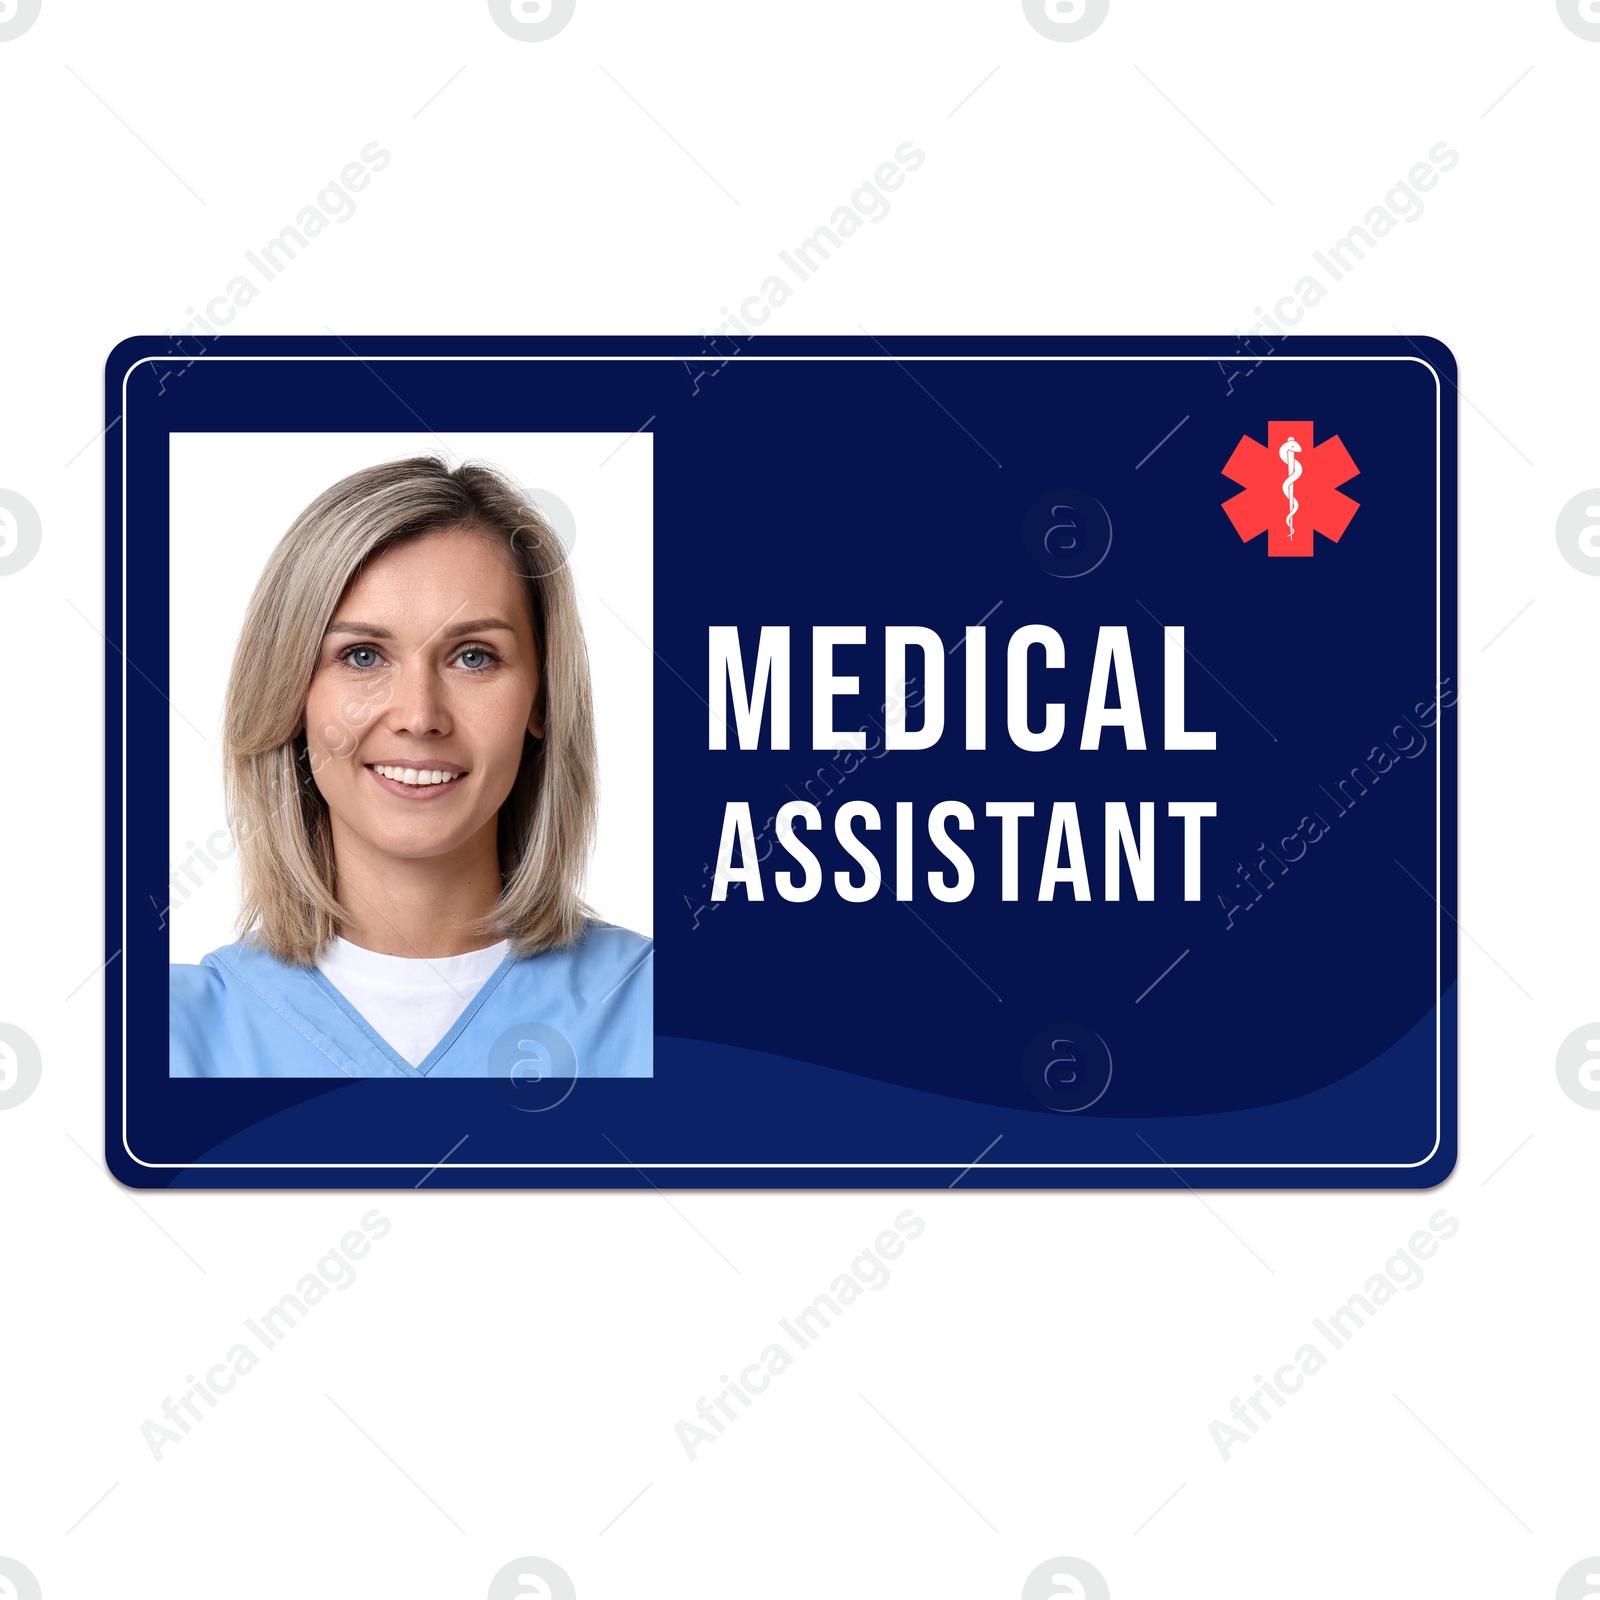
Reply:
x=452, y=776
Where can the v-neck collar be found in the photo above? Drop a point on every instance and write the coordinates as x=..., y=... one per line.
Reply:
x=305, y=999
x=443, y=1047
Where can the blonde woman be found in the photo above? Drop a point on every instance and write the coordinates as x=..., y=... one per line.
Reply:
x=410, y=770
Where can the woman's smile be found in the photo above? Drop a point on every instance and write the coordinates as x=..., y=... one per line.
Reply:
x=417, y=780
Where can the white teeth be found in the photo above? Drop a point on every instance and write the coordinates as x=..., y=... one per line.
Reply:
x=416, y=776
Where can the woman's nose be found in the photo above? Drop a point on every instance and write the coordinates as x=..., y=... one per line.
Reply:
x=419, y=702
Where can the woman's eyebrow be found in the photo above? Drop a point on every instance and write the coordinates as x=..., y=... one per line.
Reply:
x=371, y=629
x=480, y=625
x=459, y=631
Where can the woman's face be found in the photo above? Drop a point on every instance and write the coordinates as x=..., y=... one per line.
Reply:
x=427, y=680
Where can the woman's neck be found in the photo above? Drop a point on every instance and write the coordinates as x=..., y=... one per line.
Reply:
x=427, y=907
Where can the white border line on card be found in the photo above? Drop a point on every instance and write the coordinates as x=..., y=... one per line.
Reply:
x=835, y=1166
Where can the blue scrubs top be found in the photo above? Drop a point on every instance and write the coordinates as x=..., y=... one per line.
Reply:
x=584, y=1011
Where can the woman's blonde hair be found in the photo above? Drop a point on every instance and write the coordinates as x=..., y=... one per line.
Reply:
x=290, y=889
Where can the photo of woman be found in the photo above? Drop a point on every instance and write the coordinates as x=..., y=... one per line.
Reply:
x=411, y=774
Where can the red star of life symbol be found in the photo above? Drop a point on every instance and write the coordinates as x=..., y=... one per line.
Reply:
x=1291, y=488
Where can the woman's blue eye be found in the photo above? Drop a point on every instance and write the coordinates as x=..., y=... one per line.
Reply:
x=475, y=659
x=361, y=655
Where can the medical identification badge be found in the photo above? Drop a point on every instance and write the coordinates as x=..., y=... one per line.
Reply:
x=1042, y=772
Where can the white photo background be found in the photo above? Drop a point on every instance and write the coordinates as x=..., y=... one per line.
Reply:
x=234, y=496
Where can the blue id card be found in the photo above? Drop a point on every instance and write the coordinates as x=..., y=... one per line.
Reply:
x=1041, y=757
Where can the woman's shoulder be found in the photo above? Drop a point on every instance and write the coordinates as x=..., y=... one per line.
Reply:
x=198, y=1012
x=213, y=973
x=201, y=993
x=229, y=1012
x=607, y=939
x=603, y=954
x=603, y=946
x=193, y=983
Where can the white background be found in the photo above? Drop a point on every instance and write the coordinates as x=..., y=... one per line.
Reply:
x=1050, y=1362
x=234, y=496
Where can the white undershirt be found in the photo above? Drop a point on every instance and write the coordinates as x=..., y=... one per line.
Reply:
x=411, y=1003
